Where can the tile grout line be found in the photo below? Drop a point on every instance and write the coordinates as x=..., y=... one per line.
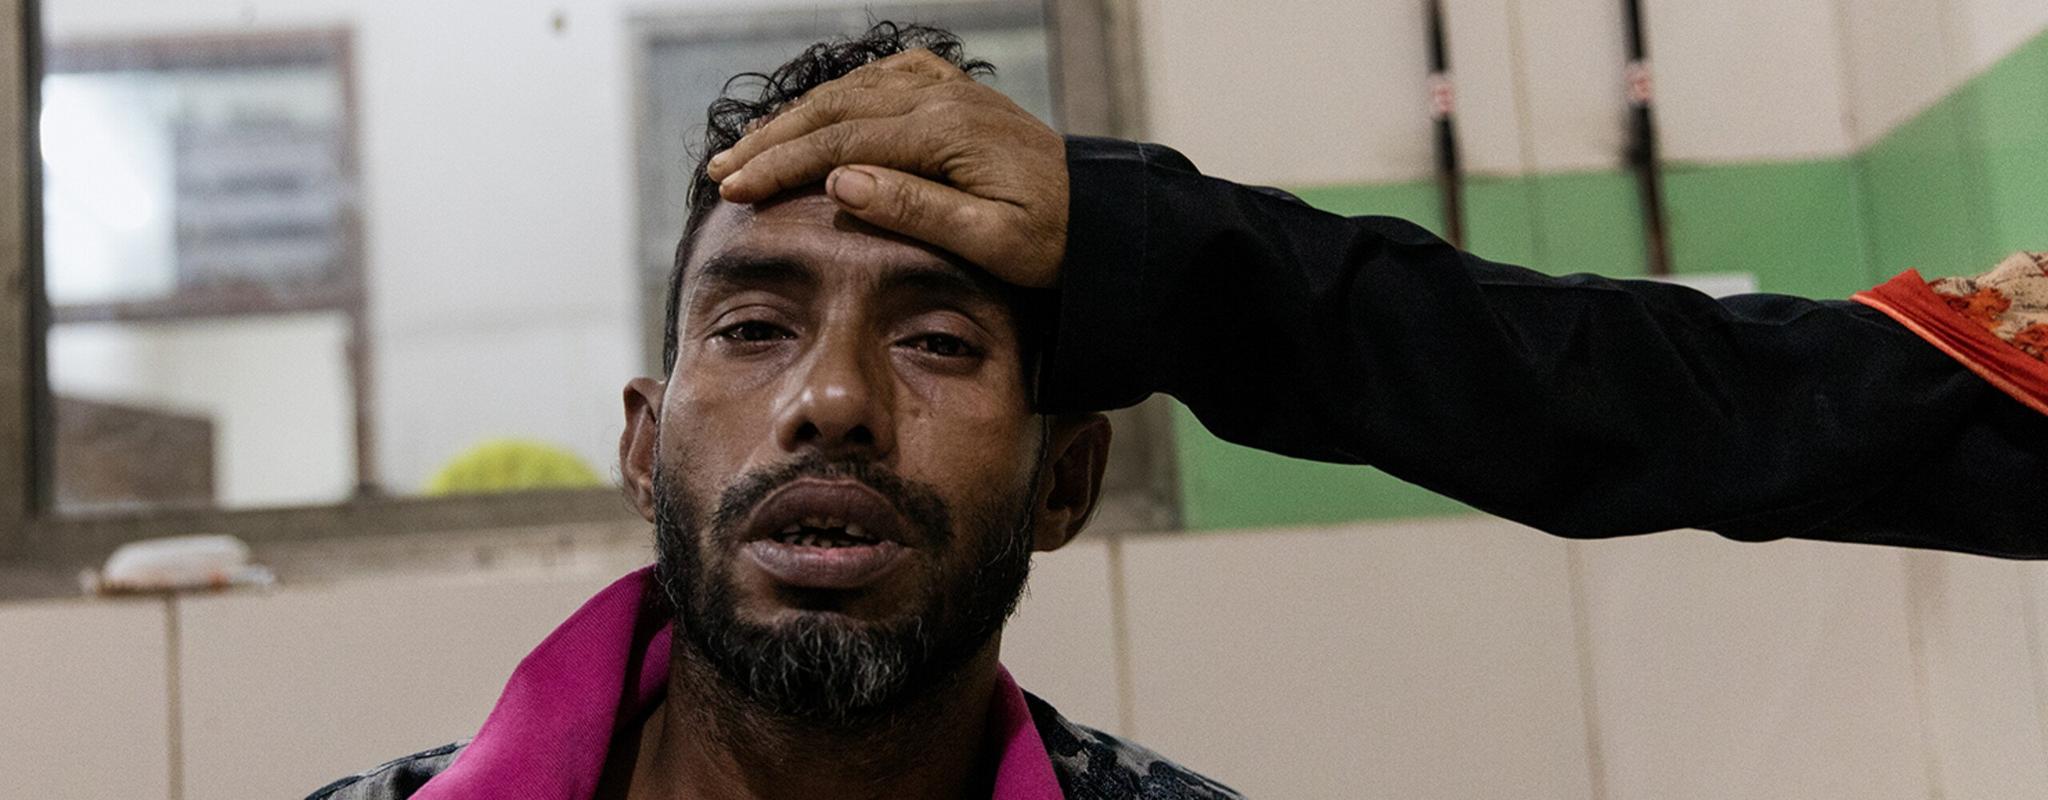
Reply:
x=1582, y=639
x=1525, y=136
x=174, y=717
x=1119, y=631
x=1923, y=587
x=2030, y=614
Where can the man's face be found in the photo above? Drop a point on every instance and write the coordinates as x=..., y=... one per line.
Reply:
x=846, y=463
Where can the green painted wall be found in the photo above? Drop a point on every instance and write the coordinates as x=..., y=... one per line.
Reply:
x=1950, y=191
x=1966, y=181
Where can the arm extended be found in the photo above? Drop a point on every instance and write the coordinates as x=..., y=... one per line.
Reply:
x=1582, y=406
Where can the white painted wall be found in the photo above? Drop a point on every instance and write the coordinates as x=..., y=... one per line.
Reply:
x=1904, y=55
x=1747, y=80
x=1292, y=94
x=1992, y=29
x=1332, y=91
x=1527, y=105
x=1898, y=61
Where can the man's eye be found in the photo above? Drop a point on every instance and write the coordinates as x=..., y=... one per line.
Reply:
x=940, y=344
x=753, y=332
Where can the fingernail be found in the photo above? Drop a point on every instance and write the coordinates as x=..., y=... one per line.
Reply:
x=854, y=188
x=718, y=160
x=734, y=188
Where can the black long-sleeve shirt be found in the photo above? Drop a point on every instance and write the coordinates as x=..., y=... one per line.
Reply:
x=1579, y=405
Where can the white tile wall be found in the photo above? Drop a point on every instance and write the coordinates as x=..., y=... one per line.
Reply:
x=1406, y=659
x=1982, y=682
x=1385, y=661
x=1725, y=671
x=84, y=700
x=1061, y=645
x=285, y=691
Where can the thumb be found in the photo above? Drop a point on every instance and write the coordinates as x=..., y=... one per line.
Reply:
x=989, y=233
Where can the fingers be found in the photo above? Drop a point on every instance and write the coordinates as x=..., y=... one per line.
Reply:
x=921, y=62
x=989, y=233
x=898, y=142
x=879, y=94
x=882, y=88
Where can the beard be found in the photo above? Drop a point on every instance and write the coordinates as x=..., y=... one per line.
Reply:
x=831, y=669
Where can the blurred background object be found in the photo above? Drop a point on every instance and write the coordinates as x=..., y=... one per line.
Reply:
x=510, y=465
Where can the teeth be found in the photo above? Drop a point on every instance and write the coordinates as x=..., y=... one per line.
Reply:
x=824, y=531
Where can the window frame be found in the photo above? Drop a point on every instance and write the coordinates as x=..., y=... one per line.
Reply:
x=182, y=52
x=347, y=294
x=1091, y=41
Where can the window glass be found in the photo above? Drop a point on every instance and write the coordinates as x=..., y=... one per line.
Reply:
x=299, y=252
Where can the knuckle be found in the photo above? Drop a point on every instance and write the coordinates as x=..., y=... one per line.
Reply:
x=941, y=107
x=834, y=138
x=968, y=217
x=961, y=90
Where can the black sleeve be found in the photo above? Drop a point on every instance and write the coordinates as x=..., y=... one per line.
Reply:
x=1579, y=405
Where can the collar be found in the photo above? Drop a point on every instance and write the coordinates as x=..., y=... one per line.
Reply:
x=547, y=737
x=1996, y=323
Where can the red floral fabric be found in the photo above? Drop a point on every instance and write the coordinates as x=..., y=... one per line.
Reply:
x=1995, y=323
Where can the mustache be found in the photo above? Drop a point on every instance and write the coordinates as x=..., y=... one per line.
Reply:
x=917, y=502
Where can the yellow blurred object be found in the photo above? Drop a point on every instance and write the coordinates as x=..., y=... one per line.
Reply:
x=510, y=465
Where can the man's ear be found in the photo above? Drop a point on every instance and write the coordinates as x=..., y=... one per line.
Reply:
x=640, y=441
x=1077, y=453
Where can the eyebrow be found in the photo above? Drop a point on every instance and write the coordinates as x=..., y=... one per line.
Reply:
x=736, y=271
x=732, y=272
x=944, y=283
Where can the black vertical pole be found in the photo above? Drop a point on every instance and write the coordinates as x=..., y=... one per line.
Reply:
x=1443, y=107
x=42, y=429
x=1642, y=150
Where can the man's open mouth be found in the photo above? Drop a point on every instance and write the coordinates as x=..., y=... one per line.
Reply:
x=826, y=534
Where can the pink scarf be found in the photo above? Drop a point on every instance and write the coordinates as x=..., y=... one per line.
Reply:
x=548, y=736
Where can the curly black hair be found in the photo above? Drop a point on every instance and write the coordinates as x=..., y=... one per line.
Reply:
x=752, y=96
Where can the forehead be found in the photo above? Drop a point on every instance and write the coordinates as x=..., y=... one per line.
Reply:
x=807, y=227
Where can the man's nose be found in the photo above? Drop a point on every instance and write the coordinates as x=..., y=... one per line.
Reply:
x=839, y=403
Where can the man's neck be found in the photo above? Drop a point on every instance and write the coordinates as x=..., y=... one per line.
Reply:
x=706, y=742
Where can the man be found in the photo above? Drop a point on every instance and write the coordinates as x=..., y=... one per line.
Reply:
x=1586, y=407
x=847, y=482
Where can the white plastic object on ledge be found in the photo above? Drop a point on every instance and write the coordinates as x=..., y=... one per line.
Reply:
x=177, y=563
x=1716, y=284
